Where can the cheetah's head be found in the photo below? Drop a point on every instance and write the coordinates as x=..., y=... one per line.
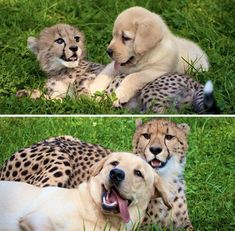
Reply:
x=161, y=142
x=58, y=47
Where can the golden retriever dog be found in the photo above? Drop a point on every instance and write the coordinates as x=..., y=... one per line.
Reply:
x=116, y=197
x=144, y=48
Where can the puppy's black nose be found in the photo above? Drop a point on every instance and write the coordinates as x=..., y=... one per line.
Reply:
x=155, y=150
x=116, y=176
x=73, y=48
x=110, y=52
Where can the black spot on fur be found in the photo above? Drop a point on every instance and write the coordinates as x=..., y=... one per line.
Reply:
x=58, y=174
x=53, y=169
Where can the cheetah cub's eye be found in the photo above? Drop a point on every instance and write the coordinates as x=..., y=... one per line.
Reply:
x=114, y=163
x=59, y=40
x=146, y=136
x=77, y=38
x=169, y=137
x=138, y=173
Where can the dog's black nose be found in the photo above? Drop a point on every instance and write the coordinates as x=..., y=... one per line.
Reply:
x=155, y=150
x=116, y=176
x=73, y=48
x=110, y=52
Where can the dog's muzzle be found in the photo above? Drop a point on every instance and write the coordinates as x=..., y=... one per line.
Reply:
x=111, y=199
x=116, y=176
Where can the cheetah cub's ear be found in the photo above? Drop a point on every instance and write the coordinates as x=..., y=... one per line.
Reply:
x=138, y=123
x=32, y=44
x=184, y=127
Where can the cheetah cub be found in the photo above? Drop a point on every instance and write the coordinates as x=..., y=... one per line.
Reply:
x=169, y=91
x=60, y=52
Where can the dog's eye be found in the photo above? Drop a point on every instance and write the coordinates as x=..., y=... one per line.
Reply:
x=114, y=163
x=146, y=136
x=77, y=38
x=169, y=137
x=125, y=38
x=59, y=40
x=138, y=173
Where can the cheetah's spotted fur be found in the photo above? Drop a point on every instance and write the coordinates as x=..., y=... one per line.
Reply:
x=69, y=74
x=65, y=162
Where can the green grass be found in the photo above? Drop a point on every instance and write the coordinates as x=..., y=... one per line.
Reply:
x=209, y=23
x=210, y=168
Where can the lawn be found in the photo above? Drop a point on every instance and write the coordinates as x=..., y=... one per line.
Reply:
x=209, y=23
x=210, y=168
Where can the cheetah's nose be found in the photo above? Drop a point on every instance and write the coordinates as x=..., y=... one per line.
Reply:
x=155, y=150
x=73, y=48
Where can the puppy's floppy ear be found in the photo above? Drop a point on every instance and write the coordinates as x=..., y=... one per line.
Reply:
x=184, y=127
x=96, y=168
x=163, y=191
x=148, y=34
x=32, y=44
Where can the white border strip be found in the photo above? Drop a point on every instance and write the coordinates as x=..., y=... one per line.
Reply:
x=118, y=115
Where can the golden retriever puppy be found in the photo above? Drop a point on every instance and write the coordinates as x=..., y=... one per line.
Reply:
x=144, y=48
x=116, y=197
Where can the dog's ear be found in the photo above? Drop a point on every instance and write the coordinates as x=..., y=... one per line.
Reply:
x=184, y=127
x=96, y=168
x=32, y=44
x=163, y=191
x=148, y=34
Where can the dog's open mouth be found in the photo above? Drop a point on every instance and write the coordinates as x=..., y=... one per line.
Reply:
x=128, y=61
x=113, y=202
x=156, y=164
x=117, y=65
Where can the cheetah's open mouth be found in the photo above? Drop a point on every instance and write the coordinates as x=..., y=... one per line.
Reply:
x=71, y=62
x=72, y=58
x=156, y=164
x=112, y=201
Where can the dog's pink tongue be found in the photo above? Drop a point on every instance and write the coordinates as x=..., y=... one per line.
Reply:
x=116, y=66
x=123, y=206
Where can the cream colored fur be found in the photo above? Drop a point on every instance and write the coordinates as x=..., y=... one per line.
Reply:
x=29, y=208
x=156, y=51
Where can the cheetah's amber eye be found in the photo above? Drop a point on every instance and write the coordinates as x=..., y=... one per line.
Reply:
x=77, y=38
x=146, y=136
x=169, y=137
x=114, y=163
x=59, y=40
x=138, y=173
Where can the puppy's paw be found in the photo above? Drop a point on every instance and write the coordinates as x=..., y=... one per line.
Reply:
x=24, y=226
x=118, y=104
x=122, y=98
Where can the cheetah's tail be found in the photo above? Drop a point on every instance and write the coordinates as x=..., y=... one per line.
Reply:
x=204, y=101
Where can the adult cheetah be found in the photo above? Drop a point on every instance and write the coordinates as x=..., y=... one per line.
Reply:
x=65, y=162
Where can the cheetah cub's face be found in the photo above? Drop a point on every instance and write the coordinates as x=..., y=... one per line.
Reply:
x=58, y=47
x=162, y=143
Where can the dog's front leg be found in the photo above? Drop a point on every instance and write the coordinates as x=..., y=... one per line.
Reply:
x=133, y=83
x=35, y=222
x=103, y=80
